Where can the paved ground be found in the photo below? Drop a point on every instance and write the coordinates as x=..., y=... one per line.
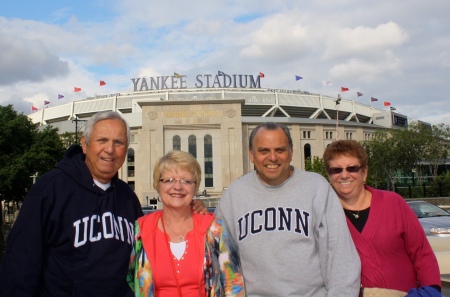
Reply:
x=446, y=289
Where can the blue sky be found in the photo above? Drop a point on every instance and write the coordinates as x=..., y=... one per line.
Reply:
x=389, y=50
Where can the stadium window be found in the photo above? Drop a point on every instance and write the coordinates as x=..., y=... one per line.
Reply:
x=307, y=151
x=192, y=147
x=208, y=149
x=176, y=143
x=130, y=162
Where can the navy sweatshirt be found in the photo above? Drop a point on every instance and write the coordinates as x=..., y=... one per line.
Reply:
x=71, y=238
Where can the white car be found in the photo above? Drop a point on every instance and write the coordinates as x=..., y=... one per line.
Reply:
x=436, y=224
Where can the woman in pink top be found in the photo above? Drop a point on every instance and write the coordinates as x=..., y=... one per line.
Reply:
x=394, y=251
x=176, y=252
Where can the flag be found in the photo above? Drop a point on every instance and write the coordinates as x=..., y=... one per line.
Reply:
x=298, y=77
x=373, y=99
x=326, y=83
x=359, y=94
x=176, y=75
x=343, y=89
x=46, y=102
x=261, y=74
x=75, y=89
x=33, y=108
x=102, y=83
x=220, y=73
x=60, y=96
x=387, y=103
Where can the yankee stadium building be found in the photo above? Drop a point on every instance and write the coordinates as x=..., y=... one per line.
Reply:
x=213, y=119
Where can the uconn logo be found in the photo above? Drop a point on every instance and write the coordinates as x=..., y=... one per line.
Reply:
x=273, y=219
x=106, y=226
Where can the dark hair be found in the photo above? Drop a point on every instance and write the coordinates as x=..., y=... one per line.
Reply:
x=100, y=116
x=270, y=126
x=349, y=148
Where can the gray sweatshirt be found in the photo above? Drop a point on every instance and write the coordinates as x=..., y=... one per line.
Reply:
x=293, y=238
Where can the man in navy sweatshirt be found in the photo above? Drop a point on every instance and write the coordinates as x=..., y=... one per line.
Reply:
x=74, y=232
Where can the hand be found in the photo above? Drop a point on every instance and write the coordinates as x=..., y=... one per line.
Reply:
x=198, y=206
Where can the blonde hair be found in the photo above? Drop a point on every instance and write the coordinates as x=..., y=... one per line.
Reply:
x=174, y=160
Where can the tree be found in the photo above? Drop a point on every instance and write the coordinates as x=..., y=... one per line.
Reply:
x=436, y=150
x=384, y=158
x=316, y=165
x=24, y=150
x=69, y=138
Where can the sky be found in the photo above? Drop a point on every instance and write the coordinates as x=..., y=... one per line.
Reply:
x=395, y=51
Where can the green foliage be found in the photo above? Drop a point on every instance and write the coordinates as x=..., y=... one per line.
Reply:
x=440, y=186
x=24, y=150
x=69, y=138
x=316, y=165
x=396, y=153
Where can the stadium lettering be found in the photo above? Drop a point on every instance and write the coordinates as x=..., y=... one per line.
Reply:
x=220, y=80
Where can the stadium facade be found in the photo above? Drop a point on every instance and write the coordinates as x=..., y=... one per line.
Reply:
x=213, y=121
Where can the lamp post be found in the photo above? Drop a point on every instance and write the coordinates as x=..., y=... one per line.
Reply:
x=147, y=200
x=34, y=177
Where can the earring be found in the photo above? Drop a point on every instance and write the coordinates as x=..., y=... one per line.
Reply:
x=159, y=199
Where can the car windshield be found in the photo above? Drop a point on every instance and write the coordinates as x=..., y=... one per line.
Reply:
x=426, y=210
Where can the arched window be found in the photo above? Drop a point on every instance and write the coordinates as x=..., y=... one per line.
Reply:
x=209, y=181
x=193, y=145
x=307, y=151
x=176, y=143
x=130, y=162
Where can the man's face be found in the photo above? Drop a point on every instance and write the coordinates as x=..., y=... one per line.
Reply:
x=271, y=155
x=107, y=149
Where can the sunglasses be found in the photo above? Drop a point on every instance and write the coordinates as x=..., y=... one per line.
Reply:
x=349, y=169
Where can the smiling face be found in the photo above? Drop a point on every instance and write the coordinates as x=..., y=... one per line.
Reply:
x=271, y=155
x=106, y=150
x=177, y=195
x=347, y=185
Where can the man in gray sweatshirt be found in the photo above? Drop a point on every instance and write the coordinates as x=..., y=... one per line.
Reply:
x=289, y=225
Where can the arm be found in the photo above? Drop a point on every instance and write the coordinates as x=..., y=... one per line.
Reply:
x=22, y=263
x=198, y=206
x=338, y=256
x=227, y=278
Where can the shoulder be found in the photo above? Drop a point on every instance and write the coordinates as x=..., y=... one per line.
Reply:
x=383, y=194
x=308, y=175
x=150, y=219
x=51, y=181
x=388, y=197
x=241, y=183
x=204, y=220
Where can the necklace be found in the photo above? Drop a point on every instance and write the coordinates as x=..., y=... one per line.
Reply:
x=356, y=215
x=180, y=237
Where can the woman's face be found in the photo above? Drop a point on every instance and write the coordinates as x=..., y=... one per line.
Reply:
x=347, y=184
x=176, y=188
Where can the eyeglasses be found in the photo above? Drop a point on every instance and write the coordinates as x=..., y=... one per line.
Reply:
x=171, y=181
x=349, y=169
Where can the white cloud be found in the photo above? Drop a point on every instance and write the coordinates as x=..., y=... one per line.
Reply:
x=365, y=41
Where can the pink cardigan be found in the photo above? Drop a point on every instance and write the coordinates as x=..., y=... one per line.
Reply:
x=393, y=248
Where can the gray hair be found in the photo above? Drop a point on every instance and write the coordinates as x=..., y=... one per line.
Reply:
x=100, y=116
x=270, y=126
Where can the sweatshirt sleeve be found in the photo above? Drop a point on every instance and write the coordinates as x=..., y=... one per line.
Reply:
x=22, y=263
x=338, y=256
